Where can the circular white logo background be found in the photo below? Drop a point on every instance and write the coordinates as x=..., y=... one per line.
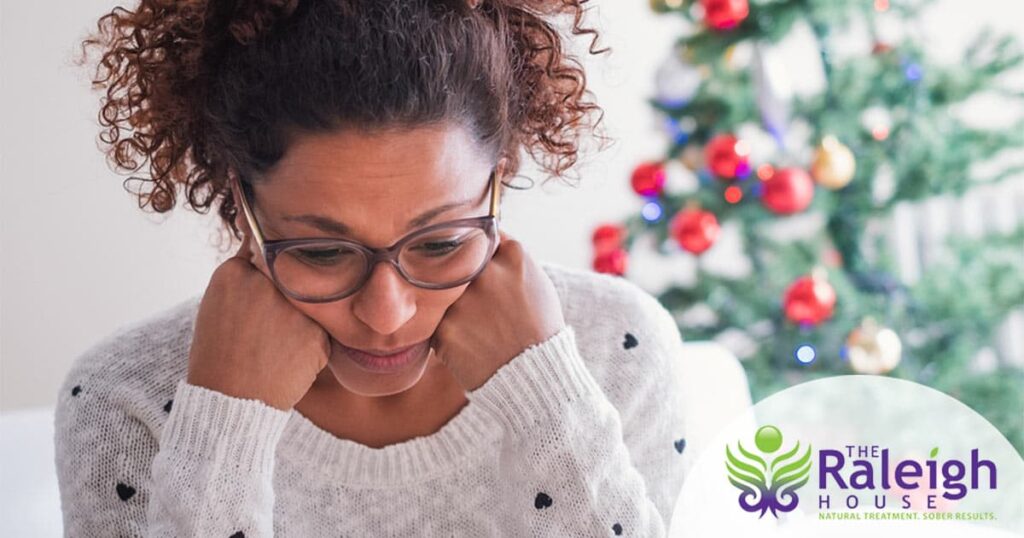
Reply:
x=858, y=456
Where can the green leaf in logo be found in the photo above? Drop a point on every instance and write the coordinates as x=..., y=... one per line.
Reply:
x=766, y=482
x=935, y=452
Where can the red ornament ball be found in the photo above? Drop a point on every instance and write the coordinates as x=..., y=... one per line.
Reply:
x=694, y=229
x=809, y=300
x=649, y=179
x=727, y=156
x=787, y=191
x=724, y=14
x=607, y=237
x=613, y=262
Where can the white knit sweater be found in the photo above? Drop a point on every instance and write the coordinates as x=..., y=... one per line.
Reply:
x=580, y=435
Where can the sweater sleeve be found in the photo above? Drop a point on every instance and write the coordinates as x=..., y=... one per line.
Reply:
x=564, y=463
x=208, y=472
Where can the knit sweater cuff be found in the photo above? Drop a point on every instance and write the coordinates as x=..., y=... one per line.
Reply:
x=210, y=425
x=540, y=385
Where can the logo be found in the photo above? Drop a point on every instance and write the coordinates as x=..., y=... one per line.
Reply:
x=768, y=482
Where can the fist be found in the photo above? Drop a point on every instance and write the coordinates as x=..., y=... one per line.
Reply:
x=249, y=341
x=509, y=306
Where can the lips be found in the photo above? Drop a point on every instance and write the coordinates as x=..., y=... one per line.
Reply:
x=379, y=363
x=393, y=352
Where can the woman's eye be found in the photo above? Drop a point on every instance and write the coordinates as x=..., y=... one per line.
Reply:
x=437, y=248
x=322, y=256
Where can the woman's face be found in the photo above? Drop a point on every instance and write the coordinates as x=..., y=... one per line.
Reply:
x=376, y=186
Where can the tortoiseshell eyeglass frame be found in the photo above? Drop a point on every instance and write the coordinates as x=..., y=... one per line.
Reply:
x=371, y=256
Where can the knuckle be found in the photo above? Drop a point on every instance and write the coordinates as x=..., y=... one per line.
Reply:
x=232, y=269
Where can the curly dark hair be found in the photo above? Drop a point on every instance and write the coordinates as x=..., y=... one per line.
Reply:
x=204, y=88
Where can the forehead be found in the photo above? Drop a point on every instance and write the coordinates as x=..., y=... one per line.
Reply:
x=353, y=154
x=374, y=182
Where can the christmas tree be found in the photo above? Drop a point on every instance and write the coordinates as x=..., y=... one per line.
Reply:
x=786, y=121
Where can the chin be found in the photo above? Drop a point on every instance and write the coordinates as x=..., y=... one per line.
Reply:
x=365, y=383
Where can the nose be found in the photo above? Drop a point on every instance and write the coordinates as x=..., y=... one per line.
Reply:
x=386, y=301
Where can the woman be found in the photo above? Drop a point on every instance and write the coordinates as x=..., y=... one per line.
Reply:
x=459, y=388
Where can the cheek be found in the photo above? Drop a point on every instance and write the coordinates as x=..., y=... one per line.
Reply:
x=319, y=313
x=338, y=320
x=440, y=300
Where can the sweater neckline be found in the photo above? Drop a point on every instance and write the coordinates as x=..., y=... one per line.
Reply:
x=465, y=436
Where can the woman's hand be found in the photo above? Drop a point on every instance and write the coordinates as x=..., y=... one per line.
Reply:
x=510, y=306
x=250, y=342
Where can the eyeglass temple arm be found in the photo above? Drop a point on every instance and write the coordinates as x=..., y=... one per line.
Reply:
x=495, y=190
x=249, y=217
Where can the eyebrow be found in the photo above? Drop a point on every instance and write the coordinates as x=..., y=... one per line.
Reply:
x=331, y=226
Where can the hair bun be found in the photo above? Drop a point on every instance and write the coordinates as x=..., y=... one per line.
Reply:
x=548, y=7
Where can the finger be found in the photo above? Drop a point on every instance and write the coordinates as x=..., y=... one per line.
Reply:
x=435, y=345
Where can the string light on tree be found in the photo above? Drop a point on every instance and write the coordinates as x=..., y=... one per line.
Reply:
x=810, y=299
x=805, y=354
x=913, y=71
x=878, y=121
x=651, y=211
x=733, y=194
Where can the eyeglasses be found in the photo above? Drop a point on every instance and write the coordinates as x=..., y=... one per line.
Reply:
x=321, y=270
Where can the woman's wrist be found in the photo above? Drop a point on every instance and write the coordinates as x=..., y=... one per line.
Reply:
x=538, y=386
x=207, y=424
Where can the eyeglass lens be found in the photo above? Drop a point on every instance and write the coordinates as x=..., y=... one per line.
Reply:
x=435, y=257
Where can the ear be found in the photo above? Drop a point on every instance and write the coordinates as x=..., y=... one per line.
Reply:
x=501, y=169
x=240, y=221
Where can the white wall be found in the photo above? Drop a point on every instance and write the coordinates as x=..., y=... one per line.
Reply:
x=78, y=258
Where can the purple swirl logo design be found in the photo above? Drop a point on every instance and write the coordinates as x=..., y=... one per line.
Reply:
x=767, y=482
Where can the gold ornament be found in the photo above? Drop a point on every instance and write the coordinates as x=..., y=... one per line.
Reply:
x=872, y=348
x=833, y=165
